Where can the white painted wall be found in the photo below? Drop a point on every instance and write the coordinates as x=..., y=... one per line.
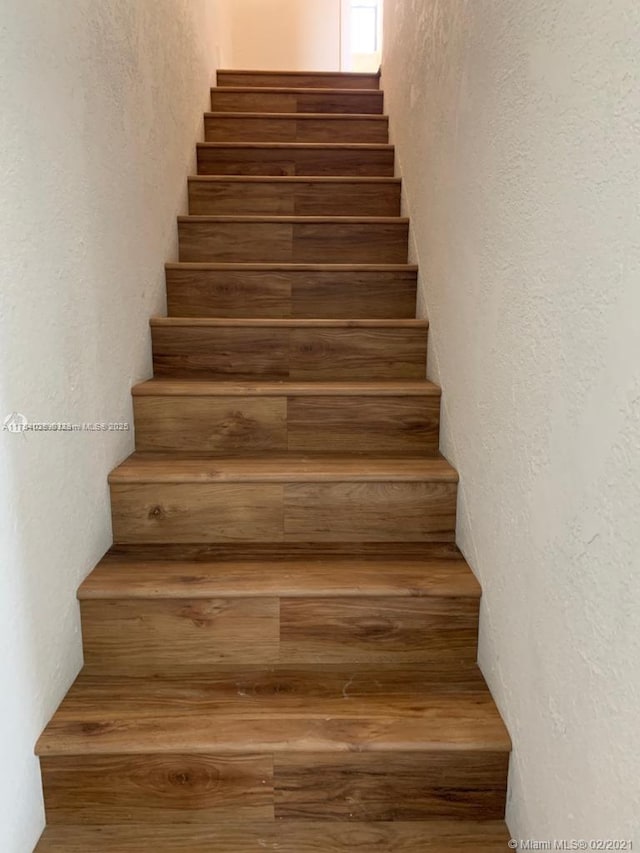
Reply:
x=283, y=35
x=351, y=59
x=518, y=133
x=102, y=103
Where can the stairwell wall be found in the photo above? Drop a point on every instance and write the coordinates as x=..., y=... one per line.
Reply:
x=101, y=105
x=518, y=139
x=283, y=35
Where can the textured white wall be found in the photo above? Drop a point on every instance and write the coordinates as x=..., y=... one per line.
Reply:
x=518, y=133
x=283, y=35
x=102, y=103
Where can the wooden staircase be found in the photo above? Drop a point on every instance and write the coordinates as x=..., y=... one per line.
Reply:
x=280, y=647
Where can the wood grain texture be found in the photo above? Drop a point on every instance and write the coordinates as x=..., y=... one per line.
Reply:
x=292, y=127
x=297, y=421
x=273, y=196
x=211, y=424
x=378, y=630
x=362, y=388
x=372, y=512
x=285, y=733
x=158, y=468
x=373, y=240
x=316, y=576
x=286, y=836
x=275, y=498
x=272, y=512
x=195, y=290
x=225, y=290
x=230, y=353
x=241, y=710
x=414, y=691
x=157, y=636
x=302, y=159
x=220, y=512
x=295, y=100
x=233, y=240
x=310, y=353
x=296, y=239
x=464, y=785
x=119, y=749
x=378, y=294
x=105, y=789
x=365, y=353
x=363, y=424
x=310, y=79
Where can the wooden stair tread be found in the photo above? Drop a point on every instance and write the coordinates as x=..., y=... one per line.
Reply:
x=286, y=267
x=302, y=146
x=304, y=220
x=288, y=710
x=117, y=578
x=343, y=80
x=177, y=468
x=289, y=73
x=291, y=90
x=286, y=323
x=285, y=836
x=197, y=388
x=299, y=116
x=297, y=179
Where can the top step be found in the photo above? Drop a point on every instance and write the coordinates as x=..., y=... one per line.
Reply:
x=299, y=79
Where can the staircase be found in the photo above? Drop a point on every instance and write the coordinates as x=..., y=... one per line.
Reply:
x=280, y=647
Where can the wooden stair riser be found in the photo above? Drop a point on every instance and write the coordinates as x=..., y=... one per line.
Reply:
x=144, y=788
x=304, y=353
x=250, y=100
x=156, y=637
x=295, y=293
x=245, y=424
x=295, y=160
x=283, y=512
x=299, y=79
x=348, y=241
x=207, y=788
x=273, y=127
x=293, y=197
x=461, y=784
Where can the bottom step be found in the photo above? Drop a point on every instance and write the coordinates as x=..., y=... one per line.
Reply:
x=283, y=836
x=359, y=743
